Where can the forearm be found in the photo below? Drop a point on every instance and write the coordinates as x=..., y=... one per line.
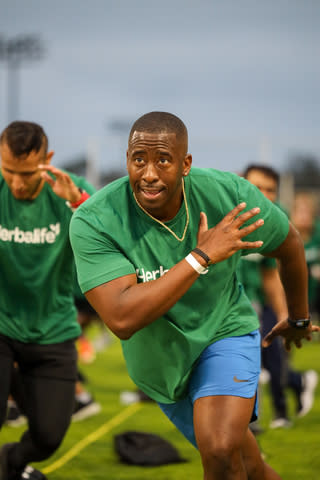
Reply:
x=294, y=277
x=139, y=304
x=295, y=282
x=274, y=293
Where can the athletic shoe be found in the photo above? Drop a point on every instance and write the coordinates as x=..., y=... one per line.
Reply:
x=30, y=473
x=256, y=428
x=85, y=409
x=14, y=416
x=128, y=398
x=264, y=377
x=280, y=422
x=309, y=382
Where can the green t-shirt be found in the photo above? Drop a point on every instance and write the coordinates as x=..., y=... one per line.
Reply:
x=312, y=253
x=37, y=267
x=250, y=275
x=112, y=237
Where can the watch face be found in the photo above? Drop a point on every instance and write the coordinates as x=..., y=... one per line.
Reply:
x=303, y=323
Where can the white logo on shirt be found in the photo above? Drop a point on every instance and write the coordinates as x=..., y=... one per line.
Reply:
x=146, y=276
x=253, y=257
x=37, y=235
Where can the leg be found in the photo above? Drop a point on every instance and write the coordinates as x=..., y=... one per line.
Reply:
x=228, y=449
x=220, y=425
x=219, y=447
x=278, y=363
x=219, y=407
x=49, y=408
x=6, y=370
x=250, y=451
x=295, y=381
x=273, y=360
x=85, y=405
x=46, y=394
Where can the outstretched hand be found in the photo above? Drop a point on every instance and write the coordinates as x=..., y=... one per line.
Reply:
x=290, y=334
x=226, y=238
x=62, y=185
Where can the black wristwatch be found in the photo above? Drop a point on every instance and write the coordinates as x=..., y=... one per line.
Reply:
x=301, y=323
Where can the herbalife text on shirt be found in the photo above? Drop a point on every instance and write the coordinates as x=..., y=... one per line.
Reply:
x=37, y=235
x=146, y=276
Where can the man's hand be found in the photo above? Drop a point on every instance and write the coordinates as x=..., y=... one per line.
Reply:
x=223, y=240
x=290, y=334
x=62, y=185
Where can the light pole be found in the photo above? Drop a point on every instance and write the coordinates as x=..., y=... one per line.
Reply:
x=14, y=52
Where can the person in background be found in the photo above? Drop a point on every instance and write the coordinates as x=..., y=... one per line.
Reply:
x=157, y=254
x=85, y=404
x=38, y=321
x=88, y=318
x=305, y=219
x=262, y=283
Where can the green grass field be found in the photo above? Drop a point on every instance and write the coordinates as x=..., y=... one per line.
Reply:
x=87, y=451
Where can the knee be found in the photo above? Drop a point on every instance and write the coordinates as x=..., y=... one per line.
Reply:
x=224, y=453
x=47, y=441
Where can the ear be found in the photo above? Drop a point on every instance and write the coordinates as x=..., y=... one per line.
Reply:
x=186, y=166
x=127, y=158
x=49, y=157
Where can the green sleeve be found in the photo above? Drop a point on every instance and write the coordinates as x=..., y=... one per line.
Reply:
x=98, y=259
x=276, y=223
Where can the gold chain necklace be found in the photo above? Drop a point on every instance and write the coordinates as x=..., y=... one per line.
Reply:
x=163, y=224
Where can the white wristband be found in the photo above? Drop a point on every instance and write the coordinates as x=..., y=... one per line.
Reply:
x=196, y=265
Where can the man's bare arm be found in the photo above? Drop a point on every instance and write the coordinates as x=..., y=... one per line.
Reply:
x=274, y=292
x=294, y=277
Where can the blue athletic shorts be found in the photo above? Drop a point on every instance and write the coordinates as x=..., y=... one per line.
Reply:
x=227, y=367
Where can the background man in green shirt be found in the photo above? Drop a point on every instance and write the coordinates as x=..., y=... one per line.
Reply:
x=38, y=323
x=157, y=254
x=260, y=278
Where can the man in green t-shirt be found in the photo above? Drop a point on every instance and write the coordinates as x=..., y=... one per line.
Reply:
x=260, y=278
x=38, y=324
x=157, y=254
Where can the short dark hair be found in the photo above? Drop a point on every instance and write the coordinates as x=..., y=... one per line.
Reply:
x=158, y=122
x=265, y=169
x=24, y=137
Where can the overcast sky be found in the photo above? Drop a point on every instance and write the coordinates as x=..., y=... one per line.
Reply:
x=243, y=75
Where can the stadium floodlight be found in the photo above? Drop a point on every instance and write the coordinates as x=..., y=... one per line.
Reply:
x=14, y=52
